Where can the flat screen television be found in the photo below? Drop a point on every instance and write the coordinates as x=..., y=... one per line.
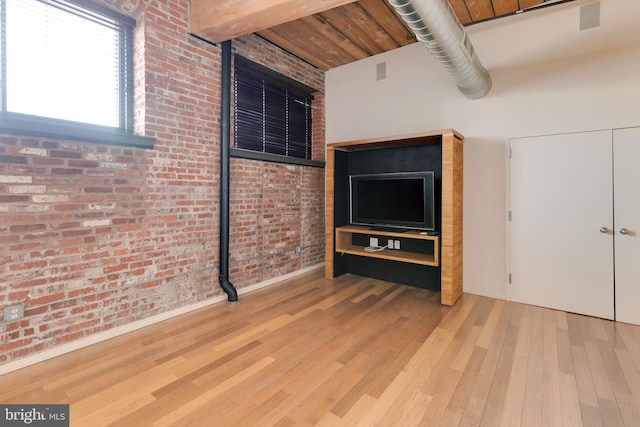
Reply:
x=402, y=200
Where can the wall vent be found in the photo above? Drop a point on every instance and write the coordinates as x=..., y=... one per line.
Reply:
x=590, y=16
x=381, y=71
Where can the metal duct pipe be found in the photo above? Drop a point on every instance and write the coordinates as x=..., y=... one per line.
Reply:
x=437, y=27
x=225, y=148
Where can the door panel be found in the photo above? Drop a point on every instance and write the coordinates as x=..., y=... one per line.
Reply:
x=626, y=150
x=560, y=196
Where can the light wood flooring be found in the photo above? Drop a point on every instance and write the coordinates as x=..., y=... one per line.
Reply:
x=349, y=352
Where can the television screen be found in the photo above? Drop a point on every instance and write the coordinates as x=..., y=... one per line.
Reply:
x=396, y=200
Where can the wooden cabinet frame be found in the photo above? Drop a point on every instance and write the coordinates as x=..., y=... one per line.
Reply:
x=344, y=245
x=450, y=254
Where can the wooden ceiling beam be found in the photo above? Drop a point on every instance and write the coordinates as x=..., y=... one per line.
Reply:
x=220, y=20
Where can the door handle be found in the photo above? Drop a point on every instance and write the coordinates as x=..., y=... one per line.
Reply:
x=624, y=231
x=604, y=230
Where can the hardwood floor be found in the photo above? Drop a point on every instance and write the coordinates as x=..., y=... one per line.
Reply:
x=350, y=352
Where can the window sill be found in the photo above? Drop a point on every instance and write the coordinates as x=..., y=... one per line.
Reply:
x=266, y=157
x=22, y=124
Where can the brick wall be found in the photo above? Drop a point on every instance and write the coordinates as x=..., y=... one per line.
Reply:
x=276, y=214
x=94, y=236
x=276, y=220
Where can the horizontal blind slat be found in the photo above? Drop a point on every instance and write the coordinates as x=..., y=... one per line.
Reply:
x=64, y=62
x=269, y=116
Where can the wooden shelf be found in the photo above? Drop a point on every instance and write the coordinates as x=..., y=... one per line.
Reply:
x=344, y=245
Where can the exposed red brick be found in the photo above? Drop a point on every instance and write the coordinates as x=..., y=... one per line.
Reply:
x=98, y=189
x=9, y=238
x=24, y=246
x=83, y=164
x=162, y=204
x=47, y=161
x=46, y=299
x=65, y=154
x=36, y=311
x=16, y=343
x=12, y=159
x=66, y=171
x=13, y=199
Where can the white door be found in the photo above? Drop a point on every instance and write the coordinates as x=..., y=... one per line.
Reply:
x=561, y=237
x=626, y=150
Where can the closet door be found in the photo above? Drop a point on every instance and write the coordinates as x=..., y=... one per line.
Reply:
x=626, y=148
x=561, y=238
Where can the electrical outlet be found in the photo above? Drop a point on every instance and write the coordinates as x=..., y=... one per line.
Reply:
x=13, y=313
x=373, y=242
x=390, y=244
x=396, y=244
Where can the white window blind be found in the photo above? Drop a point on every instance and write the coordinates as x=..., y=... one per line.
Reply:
x=67, y=60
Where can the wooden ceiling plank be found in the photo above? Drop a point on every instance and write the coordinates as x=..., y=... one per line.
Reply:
x=529, y=3
x=461, y=11
x=322, y=47
x=220, y=20
x=388, y=19
x=299, y=33
x=359, y=16
x=410, y=34
x=352, y=31
x=339, y=20
x=285, y=43
x=480, y=9
x=505, y=7
x=322, y=26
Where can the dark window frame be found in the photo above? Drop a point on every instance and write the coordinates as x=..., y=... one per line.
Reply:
x=27, y=124
x=264, y=102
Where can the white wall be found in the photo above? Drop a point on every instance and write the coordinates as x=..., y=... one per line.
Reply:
x=548, y=77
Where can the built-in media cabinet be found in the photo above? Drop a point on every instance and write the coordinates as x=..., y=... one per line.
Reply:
x=432, y=260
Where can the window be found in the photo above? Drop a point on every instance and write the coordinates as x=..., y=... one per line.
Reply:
x=65, y=65
x=272, y=113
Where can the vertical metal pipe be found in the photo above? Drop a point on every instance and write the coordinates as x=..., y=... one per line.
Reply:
x=225, y=147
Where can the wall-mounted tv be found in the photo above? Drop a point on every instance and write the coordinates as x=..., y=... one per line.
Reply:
x=403, y=200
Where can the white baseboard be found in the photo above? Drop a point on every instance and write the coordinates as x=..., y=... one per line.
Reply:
x=483, y=293
x=130, y=327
